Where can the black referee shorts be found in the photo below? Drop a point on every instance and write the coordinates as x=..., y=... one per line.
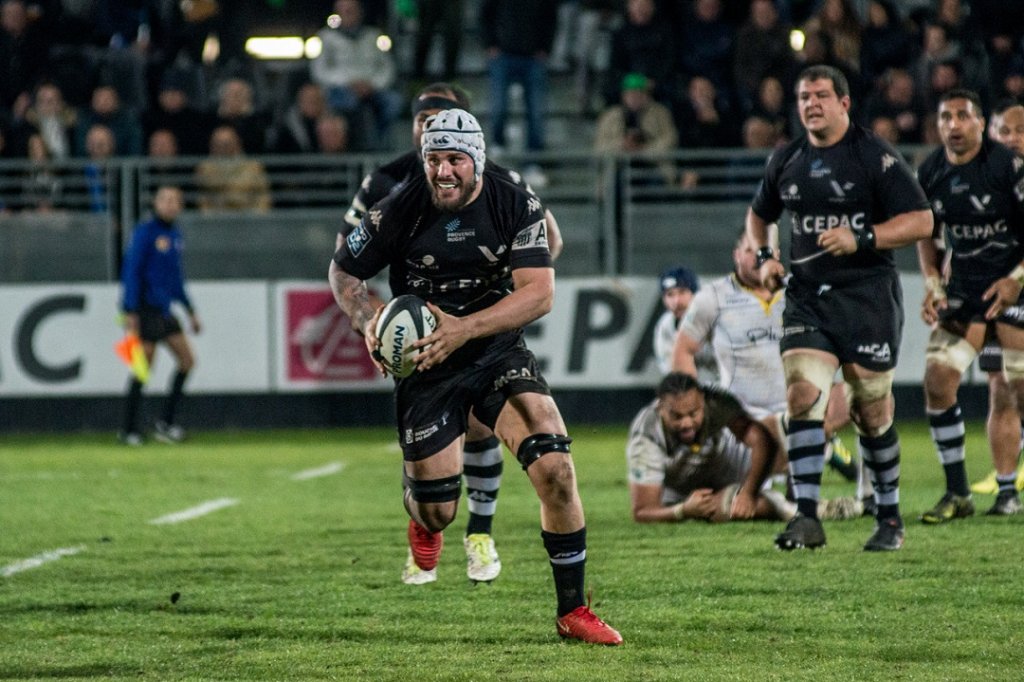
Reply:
x=155, y=326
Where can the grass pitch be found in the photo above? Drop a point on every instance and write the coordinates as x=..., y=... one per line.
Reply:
x=297, y=577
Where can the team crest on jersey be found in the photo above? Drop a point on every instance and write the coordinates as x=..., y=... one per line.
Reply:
x=533, y=205
x=819, y=169
x=792, y=192
x=375, y=217
x=1017, y=163
x=162, y=244
x=358, y=239
x=957, y=186
x=534, y=236
x=456, y=232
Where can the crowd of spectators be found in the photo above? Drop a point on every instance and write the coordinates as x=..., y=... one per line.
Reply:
x=132, y=76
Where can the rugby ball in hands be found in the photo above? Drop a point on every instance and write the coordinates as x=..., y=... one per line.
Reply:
x=404, y=321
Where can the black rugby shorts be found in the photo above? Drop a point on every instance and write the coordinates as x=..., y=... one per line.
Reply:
x=860, y=322
x=433, y=407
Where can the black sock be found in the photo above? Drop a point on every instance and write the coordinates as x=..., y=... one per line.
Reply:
x=174, y=397
x=131, y=406
x=568, y=555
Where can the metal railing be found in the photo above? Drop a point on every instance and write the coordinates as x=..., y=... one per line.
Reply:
x=618, y=214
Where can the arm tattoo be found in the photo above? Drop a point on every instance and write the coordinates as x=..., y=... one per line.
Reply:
x=353, y=298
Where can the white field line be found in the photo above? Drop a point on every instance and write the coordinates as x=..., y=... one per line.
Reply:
x=39, y=559
x=195, y=512
x=325, y=470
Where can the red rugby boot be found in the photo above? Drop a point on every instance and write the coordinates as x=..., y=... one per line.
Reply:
x=425, y=546
x=583, y=625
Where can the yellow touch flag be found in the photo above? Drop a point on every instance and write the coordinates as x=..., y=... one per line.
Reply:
x=129, y=349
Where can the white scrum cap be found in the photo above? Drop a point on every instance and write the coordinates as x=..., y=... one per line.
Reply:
x=458, y=130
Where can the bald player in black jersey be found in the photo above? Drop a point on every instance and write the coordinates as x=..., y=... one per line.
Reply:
x=976, y=187
x=851, y=199
x=482, y=457
x=476, y=249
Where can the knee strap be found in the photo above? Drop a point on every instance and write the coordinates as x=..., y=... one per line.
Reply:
x=1013, y=364
x=436, y=490
x=948, y=349
x=814, y=371
x=533, y=447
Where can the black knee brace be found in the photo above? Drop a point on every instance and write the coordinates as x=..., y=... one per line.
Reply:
x=532, y=447
x=436, y=490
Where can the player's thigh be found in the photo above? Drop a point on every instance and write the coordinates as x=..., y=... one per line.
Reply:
x=444, y=463
x=525, y=415
x=1010, y=336
x=477, y=430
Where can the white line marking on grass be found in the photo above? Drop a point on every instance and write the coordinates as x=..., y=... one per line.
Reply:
x=325, y=470
x=40, y=559
x=195, y=512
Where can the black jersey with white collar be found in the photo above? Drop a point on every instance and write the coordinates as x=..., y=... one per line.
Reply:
x=462, y=261
x=858, y=182
x=979, y=210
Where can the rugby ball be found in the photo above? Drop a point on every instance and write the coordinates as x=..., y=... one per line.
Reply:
x=404, y=321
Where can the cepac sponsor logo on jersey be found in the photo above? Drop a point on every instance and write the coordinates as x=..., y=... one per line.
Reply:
x=977, y=232
x=816, y=224
x=819, y=169
x=878, y=352
x=321, y=344
x=358, y=239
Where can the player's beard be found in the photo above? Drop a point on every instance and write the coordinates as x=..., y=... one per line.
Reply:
x=465, y=192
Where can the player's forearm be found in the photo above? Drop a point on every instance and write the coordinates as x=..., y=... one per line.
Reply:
x=763, y=448
x=757, y=229
x=527, y=303
x=352, y=296
x=904, y=229
x=682, y=361
x=660, y=514
x=929, y=259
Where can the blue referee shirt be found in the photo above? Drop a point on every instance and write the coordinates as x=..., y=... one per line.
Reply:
x=152, y=275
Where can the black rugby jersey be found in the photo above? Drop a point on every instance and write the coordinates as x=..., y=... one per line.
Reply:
x=858, y=182
x=392, y=175
x=979, y=209
x=462, y=262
